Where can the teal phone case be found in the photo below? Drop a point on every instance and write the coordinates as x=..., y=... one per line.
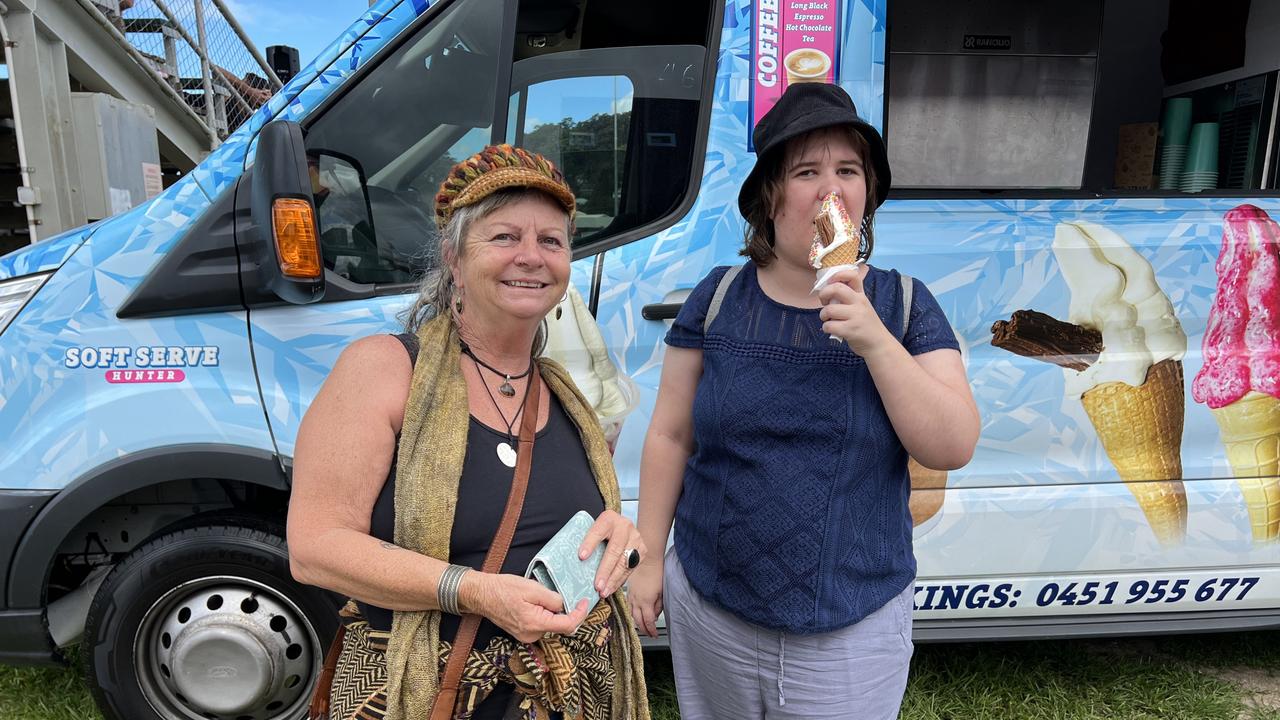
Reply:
x=557, y=567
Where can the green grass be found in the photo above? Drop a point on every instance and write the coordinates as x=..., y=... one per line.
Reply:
x=1060, y=680
x=45, y=694
x=1196, y=677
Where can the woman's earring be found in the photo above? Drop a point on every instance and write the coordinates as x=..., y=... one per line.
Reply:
x=559, y=305
x=457, y=302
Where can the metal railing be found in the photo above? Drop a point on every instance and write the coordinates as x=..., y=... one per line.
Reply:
x=198, y=49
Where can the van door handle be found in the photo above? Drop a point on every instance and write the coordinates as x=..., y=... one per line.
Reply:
x=660, y=311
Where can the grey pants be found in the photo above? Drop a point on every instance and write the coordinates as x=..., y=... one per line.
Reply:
x=729, y=669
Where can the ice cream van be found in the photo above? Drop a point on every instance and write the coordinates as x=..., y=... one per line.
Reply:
x=1085, y=187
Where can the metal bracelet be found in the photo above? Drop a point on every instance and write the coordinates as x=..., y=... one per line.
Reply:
x=447, y=589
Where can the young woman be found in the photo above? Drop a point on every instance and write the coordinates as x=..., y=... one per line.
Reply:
x=781, y=454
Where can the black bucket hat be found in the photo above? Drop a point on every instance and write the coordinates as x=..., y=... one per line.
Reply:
x=802, y=108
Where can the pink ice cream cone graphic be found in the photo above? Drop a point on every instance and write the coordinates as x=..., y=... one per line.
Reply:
x=1240, y=380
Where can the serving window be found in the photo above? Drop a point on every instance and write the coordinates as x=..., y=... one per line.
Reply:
x=1141, y=96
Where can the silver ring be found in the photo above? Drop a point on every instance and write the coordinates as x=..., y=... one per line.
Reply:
x=632, y=556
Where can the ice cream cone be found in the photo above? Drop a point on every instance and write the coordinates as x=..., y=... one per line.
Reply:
x=1251, y=433
x=928, y=490
x=845, y=254
x=1141, y=430
x=836, y=238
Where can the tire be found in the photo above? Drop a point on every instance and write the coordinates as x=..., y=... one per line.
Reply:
x=207, y=623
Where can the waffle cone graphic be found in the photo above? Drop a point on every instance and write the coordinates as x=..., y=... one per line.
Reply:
x=1141, y=430
x=1251, y=433
x=928, y=490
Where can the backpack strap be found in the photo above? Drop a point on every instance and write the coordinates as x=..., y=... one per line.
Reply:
x=717, y=299
x=908, y=287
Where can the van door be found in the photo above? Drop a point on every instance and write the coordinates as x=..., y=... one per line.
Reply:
x=609, y=93
x=626, y=117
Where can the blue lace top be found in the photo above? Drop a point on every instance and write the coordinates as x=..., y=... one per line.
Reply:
x=793, y=514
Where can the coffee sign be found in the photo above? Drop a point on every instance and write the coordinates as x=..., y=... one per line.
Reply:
x=793, y=41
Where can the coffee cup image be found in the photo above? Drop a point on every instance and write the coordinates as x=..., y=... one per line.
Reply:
x=806, y=64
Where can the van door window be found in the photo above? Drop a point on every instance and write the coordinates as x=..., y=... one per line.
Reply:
x=621, y=122
x=580, y=124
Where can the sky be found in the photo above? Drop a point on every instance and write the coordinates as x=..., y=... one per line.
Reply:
x=308, y=25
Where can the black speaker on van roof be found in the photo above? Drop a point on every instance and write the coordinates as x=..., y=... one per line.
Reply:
x=283, y=61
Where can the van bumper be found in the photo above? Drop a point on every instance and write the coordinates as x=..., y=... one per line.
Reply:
x=17, y=509
x=24, y=639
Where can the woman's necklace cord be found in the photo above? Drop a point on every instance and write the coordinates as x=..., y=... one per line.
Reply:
x=505, y=388
x=506, y=450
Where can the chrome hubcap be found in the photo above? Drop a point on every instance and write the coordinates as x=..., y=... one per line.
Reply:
x=225, y=648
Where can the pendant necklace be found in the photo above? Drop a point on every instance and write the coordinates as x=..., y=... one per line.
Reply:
x=505, y=388
x=505, y=450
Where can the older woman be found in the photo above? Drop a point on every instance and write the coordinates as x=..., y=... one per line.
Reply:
x=781, y=455
x=408, y=452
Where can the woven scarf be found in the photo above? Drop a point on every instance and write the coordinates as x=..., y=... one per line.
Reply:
x=433, y=444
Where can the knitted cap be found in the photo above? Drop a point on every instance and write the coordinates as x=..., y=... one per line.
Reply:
x=497, y=167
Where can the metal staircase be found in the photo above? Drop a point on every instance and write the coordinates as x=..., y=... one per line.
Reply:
x=188, y=61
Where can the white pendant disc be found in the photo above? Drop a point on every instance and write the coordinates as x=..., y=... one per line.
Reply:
x=506, y=455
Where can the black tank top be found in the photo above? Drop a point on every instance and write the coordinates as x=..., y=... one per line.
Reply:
x=560, y=484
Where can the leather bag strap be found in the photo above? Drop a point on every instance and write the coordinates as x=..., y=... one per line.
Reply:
x=319, y=707
x=466, y=637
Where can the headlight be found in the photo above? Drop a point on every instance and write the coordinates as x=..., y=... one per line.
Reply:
x=14, y=295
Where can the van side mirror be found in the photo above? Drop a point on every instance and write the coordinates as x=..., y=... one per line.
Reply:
x=291, y=261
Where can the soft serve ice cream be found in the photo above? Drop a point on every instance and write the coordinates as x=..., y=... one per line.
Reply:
x=574, y=340
x=1114, y=291
x=837, y=243
x=1121, y=354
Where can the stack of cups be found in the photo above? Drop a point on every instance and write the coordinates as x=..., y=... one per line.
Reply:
x=1201, y=169
x=1175, y=127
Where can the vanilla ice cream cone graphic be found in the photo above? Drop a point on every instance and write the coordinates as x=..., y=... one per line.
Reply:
x=575, y=341
x=1134, y=392
x=1240, y=379
x=1121, y=354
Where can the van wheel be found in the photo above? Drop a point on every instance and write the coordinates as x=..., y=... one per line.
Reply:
x=206, y=622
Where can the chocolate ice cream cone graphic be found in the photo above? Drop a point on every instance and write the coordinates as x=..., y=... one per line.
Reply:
x=1122, y=353
x=1240, y=379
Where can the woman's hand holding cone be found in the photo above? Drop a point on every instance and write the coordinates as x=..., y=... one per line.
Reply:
x=848, y=315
